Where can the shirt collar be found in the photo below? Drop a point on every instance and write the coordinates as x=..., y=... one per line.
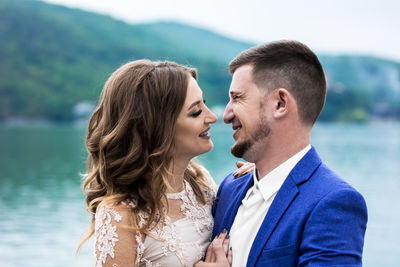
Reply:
x=272, y=182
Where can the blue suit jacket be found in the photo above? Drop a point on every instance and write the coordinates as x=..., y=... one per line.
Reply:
x=316, y=218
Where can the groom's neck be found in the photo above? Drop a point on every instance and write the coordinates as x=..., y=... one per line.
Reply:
x=277, y=154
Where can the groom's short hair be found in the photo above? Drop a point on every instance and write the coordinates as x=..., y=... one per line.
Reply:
x=290, y=65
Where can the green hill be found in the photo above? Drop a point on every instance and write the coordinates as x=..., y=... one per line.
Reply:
x=53, y=57
x=361, y=85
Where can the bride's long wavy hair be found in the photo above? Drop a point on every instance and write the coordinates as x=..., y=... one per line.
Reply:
x=130, y=139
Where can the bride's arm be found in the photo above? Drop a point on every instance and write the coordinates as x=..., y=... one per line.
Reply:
x=115, y=244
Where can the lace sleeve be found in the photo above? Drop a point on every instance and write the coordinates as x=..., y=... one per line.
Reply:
x=114, y=244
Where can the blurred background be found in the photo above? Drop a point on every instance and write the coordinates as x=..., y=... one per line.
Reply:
x=56, y=55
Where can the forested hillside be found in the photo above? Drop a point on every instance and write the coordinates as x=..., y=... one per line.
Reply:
x=53, y=58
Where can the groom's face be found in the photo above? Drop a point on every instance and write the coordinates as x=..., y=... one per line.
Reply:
x=246, y=113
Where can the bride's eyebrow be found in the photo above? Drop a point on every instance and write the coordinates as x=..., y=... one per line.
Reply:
x=194, y=104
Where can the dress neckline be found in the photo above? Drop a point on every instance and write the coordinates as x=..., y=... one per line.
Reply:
x=178, y=195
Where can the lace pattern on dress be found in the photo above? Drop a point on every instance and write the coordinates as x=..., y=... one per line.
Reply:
x=164, y=231
x=197, y=213
x=105, y=233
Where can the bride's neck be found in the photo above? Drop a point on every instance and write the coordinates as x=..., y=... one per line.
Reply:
x=178, y=171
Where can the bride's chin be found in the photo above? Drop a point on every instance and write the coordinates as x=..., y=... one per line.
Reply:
x=208, y=149
x=211, y=146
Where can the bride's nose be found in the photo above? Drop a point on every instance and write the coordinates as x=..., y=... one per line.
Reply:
x=211, y=117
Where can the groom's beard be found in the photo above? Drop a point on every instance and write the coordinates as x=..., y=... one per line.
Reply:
x=241, y=148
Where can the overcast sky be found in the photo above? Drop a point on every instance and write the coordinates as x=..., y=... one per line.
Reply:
x=327, y=26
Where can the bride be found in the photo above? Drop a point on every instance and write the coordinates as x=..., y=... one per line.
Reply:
x=150, y=202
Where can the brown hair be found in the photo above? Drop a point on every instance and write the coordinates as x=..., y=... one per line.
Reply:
x=130, y=138
x=291, y=65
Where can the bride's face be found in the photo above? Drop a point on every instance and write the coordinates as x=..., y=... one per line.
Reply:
x=192, y=136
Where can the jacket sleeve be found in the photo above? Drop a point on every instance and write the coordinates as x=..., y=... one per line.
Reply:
x=215, y=204
x=214, y=212
x=334, y=232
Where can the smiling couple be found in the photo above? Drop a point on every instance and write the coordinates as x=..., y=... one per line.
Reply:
x=153, y=206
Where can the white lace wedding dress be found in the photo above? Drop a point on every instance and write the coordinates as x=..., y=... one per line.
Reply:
x=181, y=242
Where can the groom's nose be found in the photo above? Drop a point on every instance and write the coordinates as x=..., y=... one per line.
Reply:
x=228, y=113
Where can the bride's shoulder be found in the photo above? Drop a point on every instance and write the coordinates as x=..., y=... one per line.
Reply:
x=208, y=178
x=112, y=234
x=114, y=212
x=212, y=187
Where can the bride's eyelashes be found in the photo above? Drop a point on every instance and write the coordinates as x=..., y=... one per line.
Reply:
x=196, y=113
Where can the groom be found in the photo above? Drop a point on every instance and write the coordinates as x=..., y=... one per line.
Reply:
x=292, y=210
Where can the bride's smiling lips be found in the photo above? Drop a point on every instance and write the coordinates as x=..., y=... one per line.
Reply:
x=205, y=134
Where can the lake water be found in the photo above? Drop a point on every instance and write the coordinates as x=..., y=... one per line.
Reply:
x=42, y=210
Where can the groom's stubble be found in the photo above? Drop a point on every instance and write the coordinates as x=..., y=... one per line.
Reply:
x=240, y=149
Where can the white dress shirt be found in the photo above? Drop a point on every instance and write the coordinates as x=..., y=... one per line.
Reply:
x=255, y=206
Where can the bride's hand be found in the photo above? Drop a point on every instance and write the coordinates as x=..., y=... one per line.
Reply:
x=243, y=168
x=218, y=253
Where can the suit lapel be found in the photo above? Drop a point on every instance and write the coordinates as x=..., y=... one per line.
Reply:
x=281, y=202
x=286, y=194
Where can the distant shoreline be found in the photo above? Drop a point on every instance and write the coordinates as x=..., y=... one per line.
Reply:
x=40, y=122
x=83, y=122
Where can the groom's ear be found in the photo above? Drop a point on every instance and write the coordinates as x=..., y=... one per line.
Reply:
x=283, y=101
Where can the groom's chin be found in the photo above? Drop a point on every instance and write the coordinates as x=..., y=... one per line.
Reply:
x=239, y=149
